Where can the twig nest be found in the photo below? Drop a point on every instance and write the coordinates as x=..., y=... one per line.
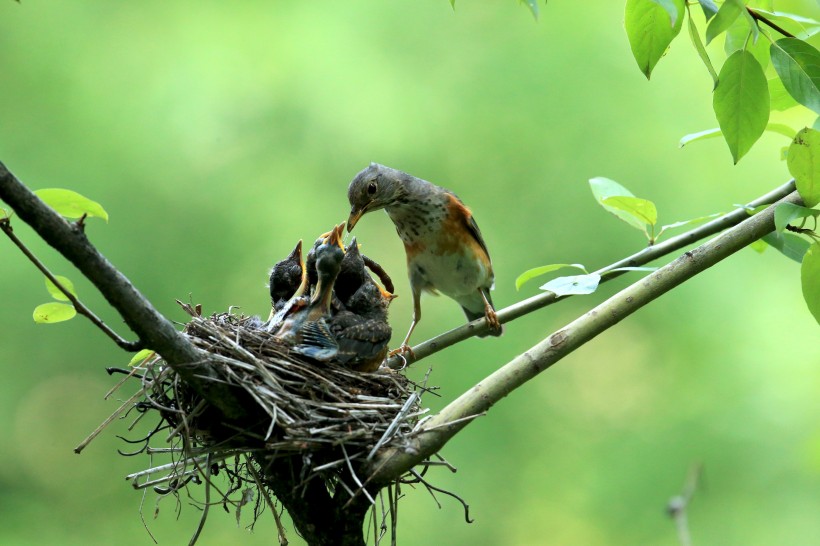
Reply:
x=309, y=406
x=324, y=418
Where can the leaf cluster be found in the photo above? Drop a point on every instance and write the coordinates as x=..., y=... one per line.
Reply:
x=769, y=64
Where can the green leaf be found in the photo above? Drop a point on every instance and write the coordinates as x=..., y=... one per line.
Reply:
x=803, y=27
x=754, y=27
x=786, y=213
x=779, y=98
x=71, y=204
x=810, y=279
x=576, y=284
x=642, y=210
x=140, y=356
x=531, y=4
x=751, y=211
x=779, y=128
x=803, y=161
x=742, y=34
x=671, y=8
x=49, y=313
x=650, y=30
x=741, y=102
x=603, y=189
x=759, y=246
x=701, y=135
x=726, y=15
x=798, y=65
x=543, y=270
x=689, y=222
x=789, y=245
x=55, y=292
x=701, y=49
x=709, y=8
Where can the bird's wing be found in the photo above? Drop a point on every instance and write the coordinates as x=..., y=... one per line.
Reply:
x=472, y=227
x=317, y=341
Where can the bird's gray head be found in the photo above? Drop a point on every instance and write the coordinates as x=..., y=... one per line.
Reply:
x=376, y=187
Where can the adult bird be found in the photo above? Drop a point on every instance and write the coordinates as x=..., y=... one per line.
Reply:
x=305, y=327
x=445, y=249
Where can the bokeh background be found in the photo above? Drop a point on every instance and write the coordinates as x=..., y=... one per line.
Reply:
x=217, y=134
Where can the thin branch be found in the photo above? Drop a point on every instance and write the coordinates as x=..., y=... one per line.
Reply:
x=758, y=17
x=280, y=529
x=207, y=506
x=125, y=405
x=437, y=431
x=139, y=314
x=133, y=346
x=677, y=505
x=642, y=257
x=431, y=488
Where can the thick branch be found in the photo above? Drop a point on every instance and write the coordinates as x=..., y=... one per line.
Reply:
x=643, y=257
x=153, y=329
x=321, y=518
x=394, y=462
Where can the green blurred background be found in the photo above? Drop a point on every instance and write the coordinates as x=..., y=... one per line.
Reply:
x=217, y=134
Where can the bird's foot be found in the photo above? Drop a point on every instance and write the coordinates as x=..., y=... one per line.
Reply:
x=401, y=351
x=492, y=319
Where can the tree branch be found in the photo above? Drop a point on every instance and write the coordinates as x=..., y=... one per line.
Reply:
x=642, y=257
x=132, y=346
x=758, y=17
x=153, y=329
x=395, y=461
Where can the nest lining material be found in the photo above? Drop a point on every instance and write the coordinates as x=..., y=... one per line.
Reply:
x=330, y=416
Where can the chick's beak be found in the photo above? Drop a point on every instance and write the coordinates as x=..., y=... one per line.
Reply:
x=387, y=295
x=334, y=237
x=297, y=252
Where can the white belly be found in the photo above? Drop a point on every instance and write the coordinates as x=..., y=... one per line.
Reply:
x=453, y=275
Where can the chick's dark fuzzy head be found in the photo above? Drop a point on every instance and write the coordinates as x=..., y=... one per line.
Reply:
x=352, y=273
x=374, y=188
x=329, y=259
x=330, y=252
x=286, y=275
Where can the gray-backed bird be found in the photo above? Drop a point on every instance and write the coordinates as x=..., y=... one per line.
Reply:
x=445, y=249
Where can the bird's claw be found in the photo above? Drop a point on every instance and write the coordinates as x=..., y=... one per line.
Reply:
x=492, y=319
x=401, y=351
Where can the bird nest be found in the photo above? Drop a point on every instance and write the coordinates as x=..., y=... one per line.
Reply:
x=328, y=419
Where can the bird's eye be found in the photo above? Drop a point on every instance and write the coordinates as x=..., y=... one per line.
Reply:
x=371, y=188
